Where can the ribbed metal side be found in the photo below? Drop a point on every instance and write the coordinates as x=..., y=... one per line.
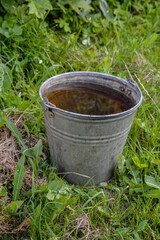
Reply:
x=85, y=139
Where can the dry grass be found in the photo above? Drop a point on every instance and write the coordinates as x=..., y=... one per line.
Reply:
x=10, y=152
x=7, y=227
x=83, y=229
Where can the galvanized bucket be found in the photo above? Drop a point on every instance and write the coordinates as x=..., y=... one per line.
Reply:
x=87, y=147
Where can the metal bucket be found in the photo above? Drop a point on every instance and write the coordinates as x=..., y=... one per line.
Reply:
x=87, y=147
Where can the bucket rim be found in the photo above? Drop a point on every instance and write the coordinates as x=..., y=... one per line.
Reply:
x=85, y=116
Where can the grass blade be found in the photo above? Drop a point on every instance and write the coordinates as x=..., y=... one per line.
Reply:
x=153, y=194
x=18, y=177
x=15, y=133
x=150, y=181
x=13, y=207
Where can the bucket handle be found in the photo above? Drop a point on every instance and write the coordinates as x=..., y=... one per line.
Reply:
x=132, y=82
x=48, y=107
x=48, y=104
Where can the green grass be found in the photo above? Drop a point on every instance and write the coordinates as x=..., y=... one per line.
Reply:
x=128, y=45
